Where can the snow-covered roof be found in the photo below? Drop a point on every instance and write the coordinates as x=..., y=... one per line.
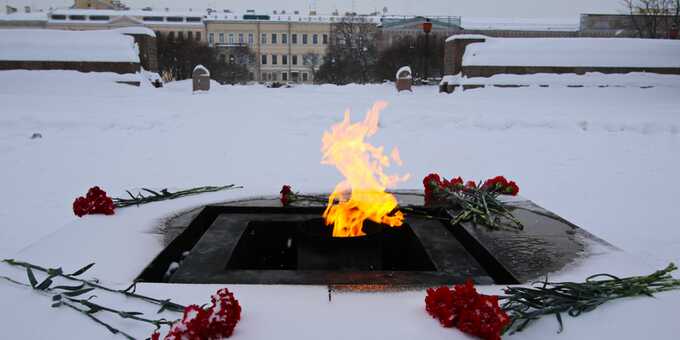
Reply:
x=134, y=13
x=574, y=52
x=217, y=16
x=137, y=30
x=57, y=45
x=466, y=36
x=522, y=24
x=34, y=16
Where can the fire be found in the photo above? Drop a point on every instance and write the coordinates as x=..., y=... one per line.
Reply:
x=362, y=166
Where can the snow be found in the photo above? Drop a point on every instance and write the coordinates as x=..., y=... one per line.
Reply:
x=466, y=36
x=57, y=45
x=574, y=52
x=604, y=159
x=404, y=69
x=571, y=24
x=590, y=79
x=202, y=68
x=136, y=30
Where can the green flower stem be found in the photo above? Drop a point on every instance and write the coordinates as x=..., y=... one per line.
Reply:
x=97, y=320
x=526, y=304
x=165, y=304
x=92, y=308
x=164, y=194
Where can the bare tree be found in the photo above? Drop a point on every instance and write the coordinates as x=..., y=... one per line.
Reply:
x=312, y=61
x=653, y=18
x=352, y=52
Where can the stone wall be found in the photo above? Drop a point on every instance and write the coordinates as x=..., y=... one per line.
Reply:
x=116, y=67
x=453, y=54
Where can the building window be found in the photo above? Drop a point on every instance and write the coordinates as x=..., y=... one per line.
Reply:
x=304, y=39
x=76, y=17
x=284, y=76
x=315, y=39
x=274, y=38
x=58, y=17
x=150, y=18
x=250, y=38
x=100, y=17
x=231, y=38
x=211, y=38
x=264, y=59
x=221, y=38
x=294, y=38
x=222, y=59
x=284, y=38
x=274, y=76
x=174, y=19
x=295, y=59
x=190, y=35
x=275, y=59
x=284, y=59
x=305, y=77
x=171, y=35
x=180, y=35
x=263, y=39
x=198, y=36
x=325, y=39
x=193, y=19
x=240, y=38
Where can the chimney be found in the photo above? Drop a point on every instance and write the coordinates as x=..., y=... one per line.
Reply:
x=27, y=9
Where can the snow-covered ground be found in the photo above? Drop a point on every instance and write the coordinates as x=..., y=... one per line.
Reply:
x=604, y=158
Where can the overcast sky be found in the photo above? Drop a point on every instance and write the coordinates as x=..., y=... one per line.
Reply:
x=476, y=8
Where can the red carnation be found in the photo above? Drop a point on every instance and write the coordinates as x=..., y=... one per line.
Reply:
x=95, y=202
x=511, y=189
x=213, y=323
x=471, y=312
x=470, y=185
x=286, y=192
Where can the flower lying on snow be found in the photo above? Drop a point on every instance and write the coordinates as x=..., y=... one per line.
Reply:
x=213, y=323
x=95, y=202
x=462, y=307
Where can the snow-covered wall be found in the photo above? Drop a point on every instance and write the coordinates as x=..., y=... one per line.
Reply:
x=574, y=52
x=67, y=46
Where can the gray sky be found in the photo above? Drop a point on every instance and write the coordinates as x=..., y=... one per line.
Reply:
x=473, y=8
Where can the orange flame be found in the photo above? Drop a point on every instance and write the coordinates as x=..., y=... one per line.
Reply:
x=362, y=165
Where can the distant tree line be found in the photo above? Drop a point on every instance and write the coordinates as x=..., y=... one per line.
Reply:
x=654, y=18
x=178, y=57
x=353, y=57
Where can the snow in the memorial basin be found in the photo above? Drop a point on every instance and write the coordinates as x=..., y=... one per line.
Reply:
x=604, y=158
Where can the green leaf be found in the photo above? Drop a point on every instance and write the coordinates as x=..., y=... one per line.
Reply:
x=70, y=287
x=82, y=270
x=45, y=284
x=55, y=271
x=151, y=191
x=78, y=292
x=31, y=277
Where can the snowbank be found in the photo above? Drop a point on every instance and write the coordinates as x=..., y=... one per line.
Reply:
x=57, y=45
x=574, y=52
x=137, y=30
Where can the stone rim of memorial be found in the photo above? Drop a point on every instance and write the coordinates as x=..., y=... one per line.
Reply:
x=204, y=239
